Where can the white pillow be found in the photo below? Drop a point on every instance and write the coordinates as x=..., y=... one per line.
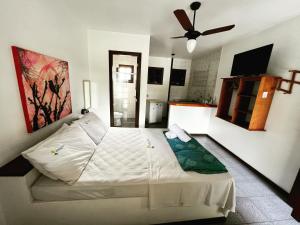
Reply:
x=66, y=155
x=36, y=164
x=93, y=126
x=180, y=133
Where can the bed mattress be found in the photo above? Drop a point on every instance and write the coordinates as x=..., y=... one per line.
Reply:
x=46, y=189
x=118, y=168
x=138, y=162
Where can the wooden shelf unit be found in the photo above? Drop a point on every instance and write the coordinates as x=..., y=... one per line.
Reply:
x=242, y=102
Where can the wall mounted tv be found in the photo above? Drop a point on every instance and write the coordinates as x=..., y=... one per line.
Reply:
x=155, y=75
x=253, y=62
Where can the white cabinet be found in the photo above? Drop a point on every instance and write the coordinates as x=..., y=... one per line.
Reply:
x=193, y=119
x=154, y=111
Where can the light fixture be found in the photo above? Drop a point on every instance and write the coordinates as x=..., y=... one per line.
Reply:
x=86, y=96
x=191, y=45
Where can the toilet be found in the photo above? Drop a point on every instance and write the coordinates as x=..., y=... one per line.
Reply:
x=118, y=119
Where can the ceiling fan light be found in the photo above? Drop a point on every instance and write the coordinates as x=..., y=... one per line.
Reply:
x=191, y=45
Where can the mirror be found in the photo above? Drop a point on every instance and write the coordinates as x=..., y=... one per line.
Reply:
x=87, y=94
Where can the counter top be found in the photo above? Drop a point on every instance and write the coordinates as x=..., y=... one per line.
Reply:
x=192, y=104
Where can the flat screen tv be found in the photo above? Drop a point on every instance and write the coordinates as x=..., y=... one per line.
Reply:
x=178, y=77
x=155, y=75
x=253, y=62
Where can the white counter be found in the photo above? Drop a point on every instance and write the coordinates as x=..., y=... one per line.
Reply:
x=194, y=118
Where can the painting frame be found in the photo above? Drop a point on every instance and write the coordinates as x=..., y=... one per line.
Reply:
x=44, y=86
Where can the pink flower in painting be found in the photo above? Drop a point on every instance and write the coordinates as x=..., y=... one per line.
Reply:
x=28, y=58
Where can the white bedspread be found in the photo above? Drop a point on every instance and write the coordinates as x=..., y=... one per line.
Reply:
x=170, y=186
x=121, y=158
x=133, y=157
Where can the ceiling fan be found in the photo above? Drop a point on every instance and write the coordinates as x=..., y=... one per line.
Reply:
x=191, y=33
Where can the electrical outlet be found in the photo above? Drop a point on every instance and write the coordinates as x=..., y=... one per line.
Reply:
x=265, y=94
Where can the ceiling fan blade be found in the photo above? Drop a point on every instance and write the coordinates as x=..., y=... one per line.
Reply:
x=183, y=19
x=178, y=37
x=218, y=30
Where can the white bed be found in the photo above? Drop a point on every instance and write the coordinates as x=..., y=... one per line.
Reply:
x=133, y=162
x=132, y=178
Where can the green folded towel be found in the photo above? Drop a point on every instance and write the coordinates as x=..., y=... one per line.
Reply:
x=192, y=156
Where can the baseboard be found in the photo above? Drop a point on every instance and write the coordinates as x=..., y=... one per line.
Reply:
x=282, y=193
x=210, y=221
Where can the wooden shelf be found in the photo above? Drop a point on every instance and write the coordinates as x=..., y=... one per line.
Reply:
x=242, y=97
x=247, y=96
x=244, y=111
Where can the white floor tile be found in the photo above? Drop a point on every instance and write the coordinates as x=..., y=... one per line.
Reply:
x=286, y=222
x=257, y=203
x=273, y=207
x=249, y=212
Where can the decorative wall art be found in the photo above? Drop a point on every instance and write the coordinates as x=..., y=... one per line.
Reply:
x=44, y=87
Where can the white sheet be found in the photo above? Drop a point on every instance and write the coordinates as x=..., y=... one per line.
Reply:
x=118, y=168
x=46, y=189
x=170, y=186
x=131, y=158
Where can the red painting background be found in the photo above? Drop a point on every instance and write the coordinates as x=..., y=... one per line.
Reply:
x=44, y=87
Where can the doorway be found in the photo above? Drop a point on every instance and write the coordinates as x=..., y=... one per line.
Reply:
x=124, y=88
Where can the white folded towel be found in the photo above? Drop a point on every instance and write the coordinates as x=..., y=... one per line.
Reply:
x=170, y=135
x=183, y=136
x=179, y=133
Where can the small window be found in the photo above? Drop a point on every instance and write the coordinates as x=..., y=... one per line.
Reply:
x=155, y=75
x=178, y=77
x=125, y=73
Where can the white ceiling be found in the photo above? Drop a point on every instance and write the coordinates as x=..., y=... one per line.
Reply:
x=155, y=17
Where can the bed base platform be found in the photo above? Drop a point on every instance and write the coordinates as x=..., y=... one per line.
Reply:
x=21, y=209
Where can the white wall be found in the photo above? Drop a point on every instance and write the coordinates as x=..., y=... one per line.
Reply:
x=160, y=92
x=204, y=72
x=99, y=43
x=44, y=27
x=276, y=152
x=181, y=92
x=2, y=218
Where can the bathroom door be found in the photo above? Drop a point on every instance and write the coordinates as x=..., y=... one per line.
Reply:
x=124, y=79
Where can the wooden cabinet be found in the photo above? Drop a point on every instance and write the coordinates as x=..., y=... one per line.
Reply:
x=246, y=101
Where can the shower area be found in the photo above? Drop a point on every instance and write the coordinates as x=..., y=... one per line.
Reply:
x=124, y=88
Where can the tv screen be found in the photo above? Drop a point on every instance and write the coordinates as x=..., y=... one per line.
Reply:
x=155, y=75
x=253, y=62
x=178, y=77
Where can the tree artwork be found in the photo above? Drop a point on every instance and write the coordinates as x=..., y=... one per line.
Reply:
x=44, y=87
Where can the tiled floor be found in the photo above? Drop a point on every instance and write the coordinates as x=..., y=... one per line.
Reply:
x=162, y=124
x=257, y=202
x=129, y=122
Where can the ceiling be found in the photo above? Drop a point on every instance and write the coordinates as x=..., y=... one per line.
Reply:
x=155, y=17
